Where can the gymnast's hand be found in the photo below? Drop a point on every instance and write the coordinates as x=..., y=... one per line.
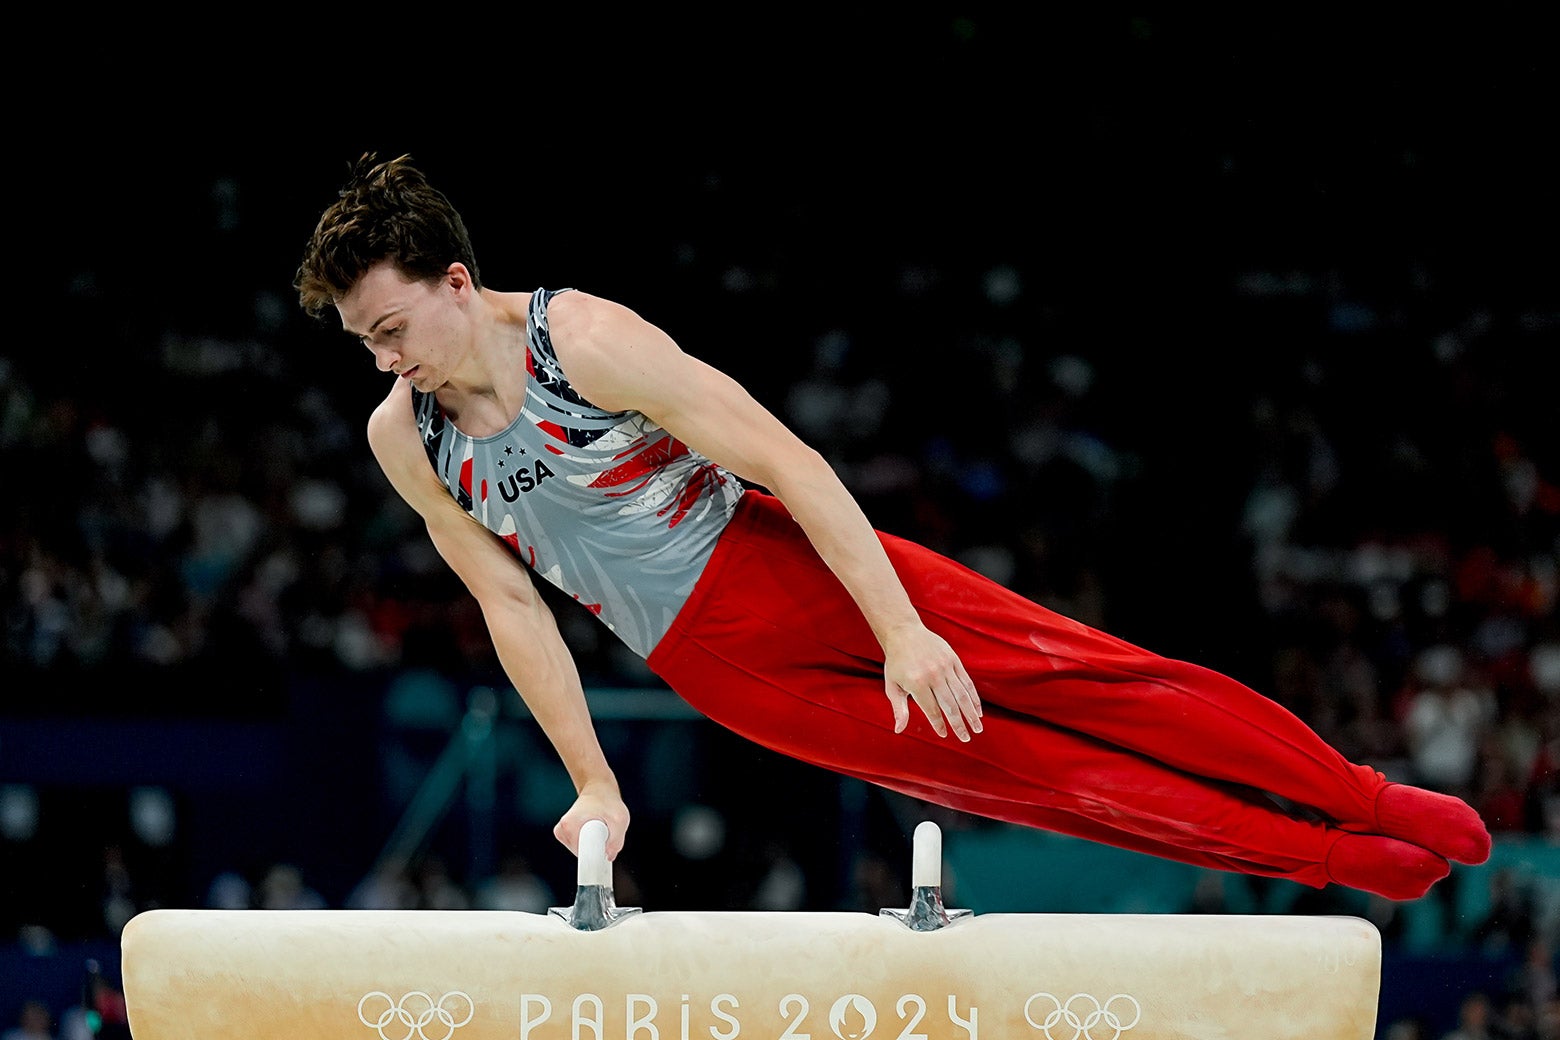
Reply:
x=595, y=802
x=919, y=663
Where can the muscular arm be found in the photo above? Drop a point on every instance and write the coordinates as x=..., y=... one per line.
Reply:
x=619, y=361
x=525, y=634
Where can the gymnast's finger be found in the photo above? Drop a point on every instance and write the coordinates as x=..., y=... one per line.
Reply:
x=966, y=699
x=616, y=823
x=568, y=829
x=926, y=700
x=568, y=834
x=899, y=703
x=948, y=704
x=969, y=690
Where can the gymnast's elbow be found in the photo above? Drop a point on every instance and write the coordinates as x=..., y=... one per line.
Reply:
x=491, y=572
x=503, y=588
x=791, y=468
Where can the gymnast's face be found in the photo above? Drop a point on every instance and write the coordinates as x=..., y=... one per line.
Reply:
x=414, y=327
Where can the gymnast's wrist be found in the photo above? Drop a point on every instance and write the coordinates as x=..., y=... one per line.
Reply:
x=601, y=784
x=910, y=626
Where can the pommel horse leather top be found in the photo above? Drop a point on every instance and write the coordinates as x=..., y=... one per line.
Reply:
x=600, y=972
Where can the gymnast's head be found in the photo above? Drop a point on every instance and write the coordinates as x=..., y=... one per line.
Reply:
x=385, y=211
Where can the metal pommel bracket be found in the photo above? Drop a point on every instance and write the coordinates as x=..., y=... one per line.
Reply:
x=926, y=912
x=593, y=907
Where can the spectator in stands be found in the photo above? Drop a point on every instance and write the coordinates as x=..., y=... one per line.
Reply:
x=1473, y=1018
x=1447, y=719
x=35, y=1022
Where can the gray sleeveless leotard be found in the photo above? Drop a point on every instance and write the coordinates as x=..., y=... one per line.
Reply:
x=607, y=506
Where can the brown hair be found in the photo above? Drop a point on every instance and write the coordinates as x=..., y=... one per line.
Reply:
x=386, y=211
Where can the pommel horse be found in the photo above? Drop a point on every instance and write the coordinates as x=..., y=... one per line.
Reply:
x=603, y=972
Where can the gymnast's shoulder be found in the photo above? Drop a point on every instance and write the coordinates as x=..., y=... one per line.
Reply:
x=393, y=437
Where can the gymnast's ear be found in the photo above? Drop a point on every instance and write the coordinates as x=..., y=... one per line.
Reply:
x=458, y=279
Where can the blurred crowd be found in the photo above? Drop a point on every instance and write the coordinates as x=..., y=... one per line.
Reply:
x=1389, y=569
x=1361, y=521
x=1338, y=484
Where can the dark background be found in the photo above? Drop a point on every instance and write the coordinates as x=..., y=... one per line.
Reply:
x=1253, y=234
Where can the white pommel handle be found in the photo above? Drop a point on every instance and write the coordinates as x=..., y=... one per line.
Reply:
x=926, y=862
x=593, y=866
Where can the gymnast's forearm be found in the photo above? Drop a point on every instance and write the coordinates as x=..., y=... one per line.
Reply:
x=537, y=661
x=918, y=664
x=846, y=541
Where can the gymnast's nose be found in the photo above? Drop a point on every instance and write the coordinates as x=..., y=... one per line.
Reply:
x=385, y=359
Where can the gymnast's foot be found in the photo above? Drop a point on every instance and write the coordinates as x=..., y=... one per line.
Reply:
x=1447, y=826
x=1385, y=866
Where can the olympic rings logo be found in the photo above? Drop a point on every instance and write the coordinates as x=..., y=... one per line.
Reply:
x=1076, y=1026
x=416, y=1011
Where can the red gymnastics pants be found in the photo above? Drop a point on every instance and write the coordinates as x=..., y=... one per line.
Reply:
x=1084, y=734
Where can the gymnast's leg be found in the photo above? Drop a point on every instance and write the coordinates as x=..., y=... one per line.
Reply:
x=1182, y=714
x=786, y=632
x=1372, y=863
x=1024, y=771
